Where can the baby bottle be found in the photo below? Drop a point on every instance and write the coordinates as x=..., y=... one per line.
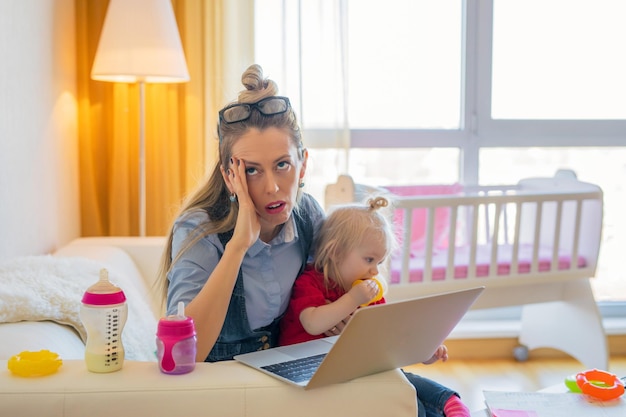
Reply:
x=176, y=343
x=103, y=312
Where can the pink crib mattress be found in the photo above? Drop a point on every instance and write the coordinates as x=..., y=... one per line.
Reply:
x=483, y=262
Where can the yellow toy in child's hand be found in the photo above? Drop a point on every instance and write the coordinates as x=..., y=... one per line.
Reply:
x=378, y=296
x=39, y=363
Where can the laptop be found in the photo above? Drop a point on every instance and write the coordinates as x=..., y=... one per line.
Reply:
x=377, y=338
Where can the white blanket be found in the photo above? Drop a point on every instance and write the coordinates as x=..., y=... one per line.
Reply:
x=37, y=288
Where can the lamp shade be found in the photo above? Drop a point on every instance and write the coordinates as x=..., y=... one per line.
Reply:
x=140, y=43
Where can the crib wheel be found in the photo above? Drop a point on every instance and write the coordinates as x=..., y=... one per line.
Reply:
x=520, y=353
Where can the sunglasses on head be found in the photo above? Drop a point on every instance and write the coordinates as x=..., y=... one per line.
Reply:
x=239, y=112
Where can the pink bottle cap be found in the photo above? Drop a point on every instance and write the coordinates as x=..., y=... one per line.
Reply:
x=103, y=292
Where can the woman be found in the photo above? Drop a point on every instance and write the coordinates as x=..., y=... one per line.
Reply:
x=244, y=236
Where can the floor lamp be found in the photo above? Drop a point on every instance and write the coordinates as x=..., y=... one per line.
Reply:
x=140, y=43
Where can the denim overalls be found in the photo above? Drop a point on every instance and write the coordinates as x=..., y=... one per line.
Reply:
x=236, y=336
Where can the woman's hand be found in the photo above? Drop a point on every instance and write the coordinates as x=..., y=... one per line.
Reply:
x=361, y=293
x=440, y=354
x=248, y=227
x=338, y=328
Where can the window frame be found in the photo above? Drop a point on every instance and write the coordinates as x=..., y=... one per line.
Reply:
x=478, y=130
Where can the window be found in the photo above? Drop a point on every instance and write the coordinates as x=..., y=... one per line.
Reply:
x=476, y=91
x=349, y=49
x=421, y=47
x=570, y=65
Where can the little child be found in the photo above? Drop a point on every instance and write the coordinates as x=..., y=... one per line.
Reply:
x=353, y=241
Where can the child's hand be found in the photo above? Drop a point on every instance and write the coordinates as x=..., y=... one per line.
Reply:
x=363, y=292
x=440, y=354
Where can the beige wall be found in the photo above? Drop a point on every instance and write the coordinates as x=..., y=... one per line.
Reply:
x=38, y=127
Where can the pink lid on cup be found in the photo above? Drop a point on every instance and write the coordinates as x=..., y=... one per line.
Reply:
x=173, y=327
x=176, y=326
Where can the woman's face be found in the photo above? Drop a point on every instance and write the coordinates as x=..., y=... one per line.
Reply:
x=273, y=173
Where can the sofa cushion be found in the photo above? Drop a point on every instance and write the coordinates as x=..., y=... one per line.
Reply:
x=117, y=261
x=213, y=389
x=37, y=335
x=37, y=288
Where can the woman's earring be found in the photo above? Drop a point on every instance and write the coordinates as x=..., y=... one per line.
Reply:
x=232, y=197
x=301, y=185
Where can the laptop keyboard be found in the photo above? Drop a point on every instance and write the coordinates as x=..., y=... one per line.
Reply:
x=297, y=370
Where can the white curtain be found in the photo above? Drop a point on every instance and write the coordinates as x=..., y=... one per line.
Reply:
x=303, y=46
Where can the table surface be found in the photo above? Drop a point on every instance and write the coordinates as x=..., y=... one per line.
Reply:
x=553, y=388
x=558, y=388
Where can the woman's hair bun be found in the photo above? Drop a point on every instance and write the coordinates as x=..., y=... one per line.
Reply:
x=257, y=86
x=252, y=78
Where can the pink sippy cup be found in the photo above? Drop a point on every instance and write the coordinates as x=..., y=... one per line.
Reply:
x=176, y=343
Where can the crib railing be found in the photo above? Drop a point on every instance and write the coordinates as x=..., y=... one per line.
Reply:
x=555, y=223
x=565, y=221
x=533, y=244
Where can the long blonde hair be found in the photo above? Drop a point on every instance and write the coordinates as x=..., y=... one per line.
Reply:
x=212, y=194
x=345, y=228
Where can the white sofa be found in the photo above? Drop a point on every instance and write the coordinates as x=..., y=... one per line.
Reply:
x=212, y=389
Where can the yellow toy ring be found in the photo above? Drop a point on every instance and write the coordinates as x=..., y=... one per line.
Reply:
x=600, y=384
x=39, y=363
x=378, y=296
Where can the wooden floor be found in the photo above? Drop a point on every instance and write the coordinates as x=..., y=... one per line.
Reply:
x=469, y=377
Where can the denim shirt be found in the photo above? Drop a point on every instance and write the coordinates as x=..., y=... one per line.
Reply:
x=236, y=335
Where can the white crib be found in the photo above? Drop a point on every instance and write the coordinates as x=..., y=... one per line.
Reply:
x=533, y=244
